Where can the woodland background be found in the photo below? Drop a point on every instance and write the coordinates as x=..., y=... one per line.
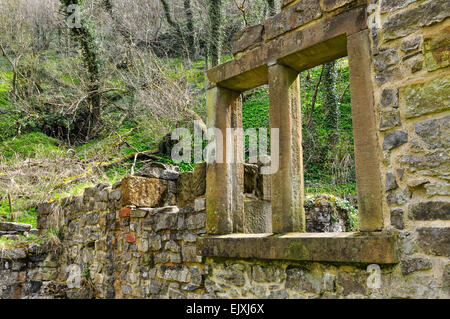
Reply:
x=80, y=106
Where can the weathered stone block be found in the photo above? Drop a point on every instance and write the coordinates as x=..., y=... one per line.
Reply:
x=446, y=279
x=352, y=283
x=386, y=59
x=154, y=242
x=184, y=188
x=159, y=170
x=408, y=21
x=200, y=204
x=302, y=280
x=140, y=212
x=330, y=5
x=199, y=179
x=394, y=139
x=15, y=227
x=389, y=119
x=268, y=274
x=392, y=5
x=434, y=164
x=143, y=192
x=435, y=133
x=165, y=218
x=390, y=181
x=397, y=218
x=189, y=254
x=177, y=273
x=411, y=45
x=232, y=274
x=436, y=189
x=248, y=38
x=398, y=197
x=437, y=49
x=297, y=15
x=434, y=240
x=431, y=210
x=410, y=265
x=258, y=216
x=196, y=221
x=250, y=178
x=424, y=98
x=389, y=97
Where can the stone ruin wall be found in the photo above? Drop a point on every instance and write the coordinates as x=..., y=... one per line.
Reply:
x=139, y=239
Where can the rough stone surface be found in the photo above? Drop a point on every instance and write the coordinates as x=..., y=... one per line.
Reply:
x=435, y=133
x=258, y=216
x=437, y=50
x=397, y=218
x=392, y=5
x=14, y=227
x=424, y=98
x=159, y=170
x=434, y=240
x=390, y=182
x=411, y=265
x=330, y=5
x=389, y=119
x=389, y=97
x=394, y=139
x=407, y=22
x=248, y=38
x=431, y=210
x=295, y=16
x=143, y=192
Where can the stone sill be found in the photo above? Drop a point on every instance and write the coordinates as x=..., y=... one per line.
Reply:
x=377, y=248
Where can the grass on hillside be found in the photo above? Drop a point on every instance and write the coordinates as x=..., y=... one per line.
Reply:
x=36, y=168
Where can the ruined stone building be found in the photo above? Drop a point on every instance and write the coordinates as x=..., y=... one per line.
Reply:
x=165, y=234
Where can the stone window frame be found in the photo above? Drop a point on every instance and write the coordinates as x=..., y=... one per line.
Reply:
x=278, y=64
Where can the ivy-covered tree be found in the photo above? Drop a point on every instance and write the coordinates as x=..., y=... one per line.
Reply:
x=84, y=35
x=215, y=17
x=331, y=101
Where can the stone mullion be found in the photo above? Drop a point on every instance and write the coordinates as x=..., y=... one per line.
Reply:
x=368, y=178
x=287, y=189
x=225, y=180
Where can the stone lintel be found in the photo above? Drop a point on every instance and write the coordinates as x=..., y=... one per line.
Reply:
x=318, y=43
x=377, y=248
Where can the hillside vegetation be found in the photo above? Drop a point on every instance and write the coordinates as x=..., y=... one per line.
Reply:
x=77, y=105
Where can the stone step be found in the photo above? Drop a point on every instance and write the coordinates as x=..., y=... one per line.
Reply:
x=17, y=227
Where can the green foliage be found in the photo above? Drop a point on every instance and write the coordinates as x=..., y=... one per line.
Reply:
x=327, y=127
x=31, y=145
x=184, y=167
x=255, y=109
x=55, y=232
x=339, y=203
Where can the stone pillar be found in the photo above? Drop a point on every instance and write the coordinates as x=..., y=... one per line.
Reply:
x=287, y=184
x=368, y=178
x=225, y=181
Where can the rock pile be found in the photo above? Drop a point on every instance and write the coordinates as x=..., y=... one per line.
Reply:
x=13, y=230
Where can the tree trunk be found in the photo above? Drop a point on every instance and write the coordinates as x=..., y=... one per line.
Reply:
x=86, y=39
x=215, y=17
x=173, y=23
x=190, y=28
x=331, y=101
